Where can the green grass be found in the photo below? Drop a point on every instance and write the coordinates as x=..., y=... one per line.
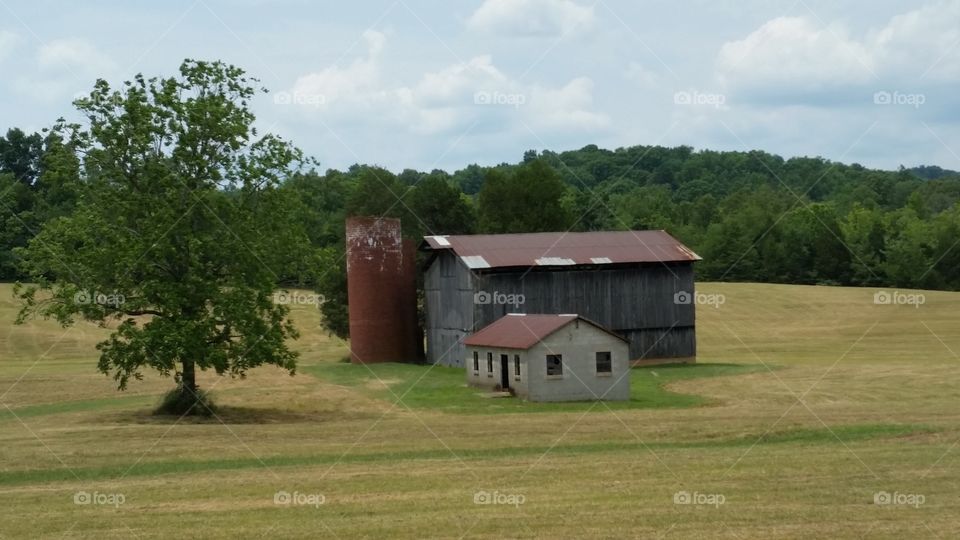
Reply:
x=443, y=388
x=804, y=403
x=838, y=435
x=66, y=407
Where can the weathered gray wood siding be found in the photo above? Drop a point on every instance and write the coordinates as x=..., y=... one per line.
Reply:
x=637, y=302
x=448, y=287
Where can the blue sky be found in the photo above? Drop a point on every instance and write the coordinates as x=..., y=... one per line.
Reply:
x=428, y=84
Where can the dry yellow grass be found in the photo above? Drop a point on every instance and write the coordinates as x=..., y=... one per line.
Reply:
x=859, y=399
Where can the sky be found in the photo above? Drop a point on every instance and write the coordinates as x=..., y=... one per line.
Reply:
x=442, y=84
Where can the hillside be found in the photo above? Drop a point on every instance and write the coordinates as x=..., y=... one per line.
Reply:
x=877, y=413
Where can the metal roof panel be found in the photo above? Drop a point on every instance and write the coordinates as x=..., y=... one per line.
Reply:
x=563, y=249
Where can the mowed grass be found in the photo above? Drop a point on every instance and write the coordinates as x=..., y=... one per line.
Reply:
x=807, y=403
x=443, y=388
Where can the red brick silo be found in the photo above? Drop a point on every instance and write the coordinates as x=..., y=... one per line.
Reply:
x=381, y=291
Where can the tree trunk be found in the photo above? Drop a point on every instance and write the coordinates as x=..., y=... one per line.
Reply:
x=188, y=380
x=186, y=399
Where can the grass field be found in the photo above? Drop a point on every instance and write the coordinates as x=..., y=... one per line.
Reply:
x=813, y=413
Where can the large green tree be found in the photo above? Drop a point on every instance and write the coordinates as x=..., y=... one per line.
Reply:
x=178, y=234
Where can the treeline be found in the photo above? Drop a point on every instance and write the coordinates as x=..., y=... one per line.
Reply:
x=38, y=177
x=752, y=216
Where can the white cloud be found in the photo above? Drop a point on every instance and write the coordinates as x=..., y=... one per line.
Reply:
x=8, y=42
x=640, y=75
x=449, y=100
x=357, y=80
x=923, y=43
x=530, y=17
x=458, y=79
x=793, y=50
x=567, y=108
x=76, y=56
x=65, y=69
x=797, y=59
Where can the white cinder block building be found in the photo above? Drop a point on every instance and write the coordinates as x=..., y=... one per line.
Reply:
x=549, y=358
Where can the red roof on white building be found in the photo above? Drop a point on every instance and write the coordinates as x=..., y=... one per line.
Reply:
x=521, y=331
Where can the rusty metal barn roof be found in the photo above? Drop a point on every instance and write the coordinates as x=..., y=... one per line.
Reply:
x=562, y=249
x=522, y=331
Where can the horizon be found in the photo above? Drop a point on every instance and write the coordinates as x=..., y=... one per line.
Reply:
x=695, y=150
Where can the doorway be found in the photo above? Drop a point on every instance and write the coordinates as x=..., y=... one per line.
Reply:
x=504, y=371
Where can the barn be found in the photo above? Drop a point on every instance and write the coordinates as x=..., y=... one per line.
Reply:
x=549, y=358
x=638, y=284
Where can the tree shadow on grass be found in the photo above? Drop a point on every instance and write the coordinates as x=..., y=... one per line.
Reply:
x=227, y=414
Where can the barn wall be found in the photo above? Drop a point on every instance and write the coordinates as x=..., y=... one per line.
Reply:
x=636, y=302
x=651, y=343
x=448, y=287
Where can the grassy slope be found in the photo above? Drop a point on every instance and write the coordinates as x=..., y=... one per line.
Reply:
x=878, y=413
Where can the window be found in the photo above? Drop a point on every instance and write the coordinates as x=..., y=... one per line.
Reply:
x=604, y=364
x=516, y=366
x=554, y=365
x=476, y=362
x=489, y=364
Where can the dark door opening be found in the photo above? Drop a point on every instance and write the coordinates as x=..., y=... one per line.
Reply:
x=504, y=371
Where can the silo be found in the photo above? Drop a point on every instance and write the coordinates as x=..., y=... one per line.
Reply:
x=381, y=290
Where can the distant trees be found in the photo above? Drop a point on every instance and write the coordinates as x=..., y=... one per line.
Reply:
x=17, y=219
x=864, y=235
x=441, y=207
x=469, y=179
x=38, y=182
x=527, y=199
x=20, y=155
x=754, y=216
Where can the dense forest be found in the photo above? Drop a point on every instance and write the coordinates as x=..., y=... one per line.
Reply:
x=752, y=216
